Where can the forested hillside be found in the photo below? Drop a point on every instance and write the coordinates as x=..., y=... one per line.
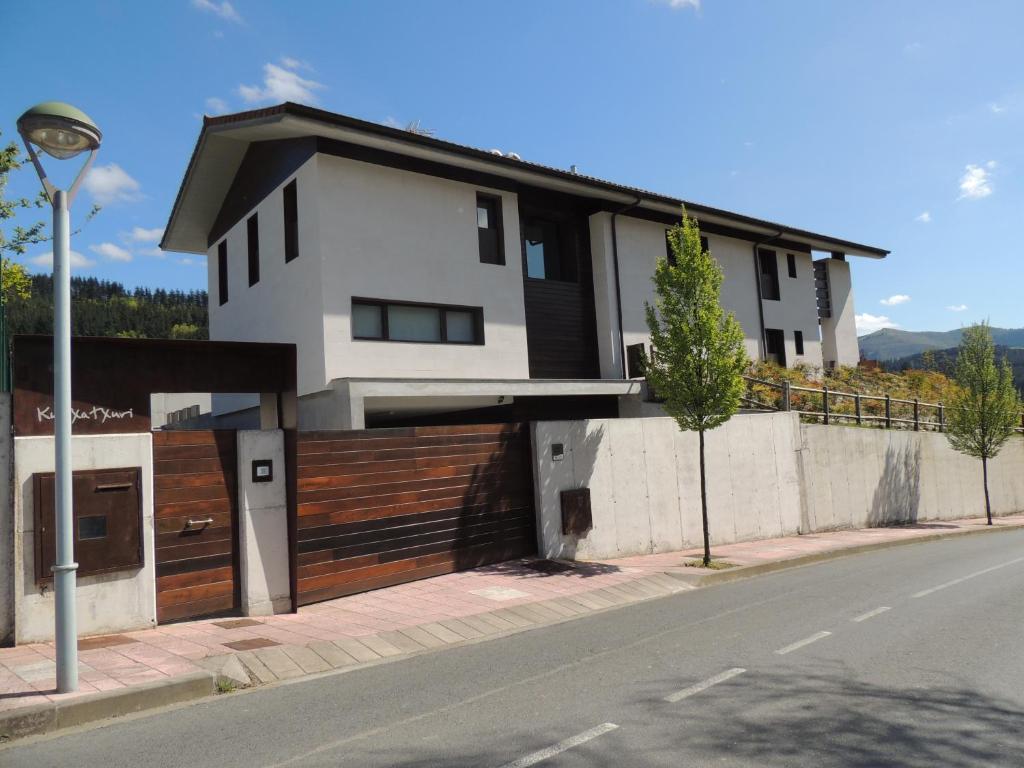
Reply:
x=944, y=361
x=106, y=308
x=893, y=344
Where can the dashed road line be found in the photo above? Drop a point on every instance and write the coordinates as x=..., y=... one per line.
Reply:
x=556, y=749
x=871, y=614
x=704, y=685
x=801, y=643
x=926, y=592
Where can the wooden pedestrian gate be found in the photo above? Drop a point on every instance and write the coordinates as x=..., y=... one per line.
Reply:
x=196, y=521
x=386, y=506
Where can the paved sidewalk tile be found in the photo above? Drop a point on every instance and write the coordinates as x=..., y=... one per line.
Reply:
x=356, y=649
x=256, y=668
x=402, y=641
x=307, y=659
x=278, y=662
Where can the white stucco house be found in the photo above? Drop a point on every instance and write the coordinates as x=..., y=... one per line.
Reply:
x=424, y=280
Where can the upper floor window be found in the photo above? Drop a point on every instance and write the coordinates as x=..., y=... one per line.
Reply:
x=791, y=264
x=768, y=266
x=547, y=258
x=426, y=323
x=252, y=229
x=489, y=229
x=291, y=221
x=222, y=272
x=798, y=341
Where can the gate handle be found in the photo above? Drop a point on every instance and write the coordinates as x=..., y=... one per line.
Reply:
x=190, y=522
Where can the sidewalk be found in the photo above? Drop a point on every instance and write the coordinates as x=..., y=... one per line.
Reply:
x=396, y=621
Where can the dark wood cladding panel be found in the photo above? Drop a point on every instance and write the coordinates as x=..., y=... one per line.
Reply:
x=195, y=478
x=383, y=507
x=560, y=329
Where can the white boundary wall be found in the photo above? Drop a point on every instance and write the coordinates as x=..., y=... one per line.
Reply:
x=6, y=521
x=768, y=476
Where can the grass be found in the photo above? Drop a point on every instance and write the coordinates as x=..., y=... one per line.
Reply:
x=225, y=686
x=715, y=565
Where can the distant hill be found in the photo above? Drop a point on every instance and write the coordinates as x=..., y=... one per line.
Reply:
x=894, y=344
x=107, y=308
x=944, y=361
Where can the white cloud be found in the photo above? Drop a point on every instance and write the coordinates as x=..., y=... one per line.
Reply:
x=867, y=323
x=78, y=261
x=111, y=252
x=215, y=106
x=996, y=109
x=143, y=235
x=156, y=253
x=895, y=300
x=224, y=9
x=957, y=307
x=924, y=217
x=975, y=183
x=281, y=84
x=111, y=184
x=695, y=4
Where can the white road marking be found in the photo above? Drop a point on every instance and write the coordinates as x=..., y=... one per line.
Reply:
x=926, y=592
x=801, y=643
x=871, y=614
x=562, y=746
x=703, y=686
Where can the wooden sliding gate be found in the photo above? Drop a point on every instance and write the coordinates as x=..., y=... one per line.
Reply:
x=386, y=506
x=196, y=510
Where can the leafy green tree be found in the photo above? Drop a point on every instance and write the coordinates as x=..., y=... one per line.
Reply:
x=187, y=331
x=986, y=406
x=697, y=358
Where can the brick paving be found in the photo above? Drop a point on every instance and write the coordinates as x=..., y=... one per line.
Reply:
x=400, y=620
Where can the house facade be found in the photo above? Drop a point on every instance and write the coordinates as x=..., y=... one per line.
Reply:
x=425, y=281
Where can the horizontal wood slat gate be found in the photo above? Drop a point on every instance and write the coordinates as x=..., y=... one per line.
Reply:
x=386, y=506
x=196, y=510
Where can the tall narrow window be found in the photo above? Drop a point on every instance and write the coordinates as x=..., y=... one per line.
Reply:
x=791, y=264
x=222, y=272
x=291, y=222
x=798, y=339
x=768, y=266
x=252, y=228
x=547, y=257
x=489, y=229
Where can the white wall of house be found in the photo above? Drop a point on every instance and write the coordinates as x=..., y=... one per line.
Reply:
x=6, y=520
x=839, y=332
x=641, y=243
x=286, y=305
x=402, y=236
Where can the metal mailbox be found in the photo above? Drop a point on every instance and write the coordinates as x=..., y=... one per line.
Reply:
x=107, y=519
x=577, y=519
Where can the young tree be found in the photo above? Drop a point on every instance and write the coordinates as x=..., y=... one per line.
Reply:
x=986, y=406
x=697, y=358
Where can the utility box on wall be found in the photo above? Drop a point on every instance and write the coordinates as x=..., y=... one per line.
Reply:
x=107, y=521
x=576, y=515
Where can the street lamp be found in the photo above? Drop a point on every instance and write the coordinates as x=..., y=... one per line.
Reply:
x=62, y=131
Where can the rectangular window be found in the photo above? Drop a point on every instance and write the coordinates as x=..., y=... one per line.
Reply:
x=291, y=222
x=423, y=323
x=547, y=258
x=222, y=272
x=252, y=227
x=489, y=230
x=798, y=338
x=769, y=268
x=775, y=345
x=791, y=264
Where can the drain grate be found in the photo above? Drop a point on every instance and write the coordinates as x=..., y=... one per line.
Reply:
x=237, y=623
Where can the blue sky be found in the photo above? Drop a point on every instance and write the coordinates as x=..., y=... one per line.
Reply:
x=895, y=124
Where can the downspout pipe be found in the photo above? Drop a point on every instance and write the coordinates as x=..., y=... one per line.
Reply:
x=618, y=287
x=762, y=341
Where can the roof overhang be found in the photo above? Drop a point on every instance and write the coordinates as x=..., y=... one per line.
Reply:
x=224, y=140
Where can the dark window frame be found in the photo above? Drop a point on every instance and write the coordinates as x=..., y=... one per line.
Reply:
x=570, y=269
x=222, y=272
x=791, y=264
x=252, y=231
x=798, y=341
x=493, y=202
x=443, y=309
x=768, y=269
x=290, y=206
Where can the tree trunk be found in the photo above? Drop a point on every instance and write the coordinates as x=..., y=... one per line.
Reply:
x=704, y=503
x=988, y=504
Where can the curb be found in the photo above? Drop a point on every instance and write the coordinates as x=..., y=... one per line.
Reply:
x=749, y=571
x=53, y=716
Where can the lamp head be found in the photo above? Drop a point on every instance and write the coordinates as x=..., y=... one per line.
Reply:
x=59, y=129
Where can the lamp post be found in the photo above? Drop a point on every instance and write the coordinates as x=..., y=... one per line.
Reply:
x=62, y=131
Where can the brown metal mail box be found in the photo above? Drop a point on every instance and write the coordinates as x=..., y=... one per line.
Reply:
x=107, y=518
x=576, y=515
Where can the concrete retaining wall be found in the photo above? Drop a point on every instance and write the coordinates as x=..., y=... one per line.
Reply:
x=768, y=476
x=6, y=522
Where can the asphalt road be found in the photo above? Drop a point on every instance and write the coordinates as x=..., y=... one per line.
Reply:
x=799, y=668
